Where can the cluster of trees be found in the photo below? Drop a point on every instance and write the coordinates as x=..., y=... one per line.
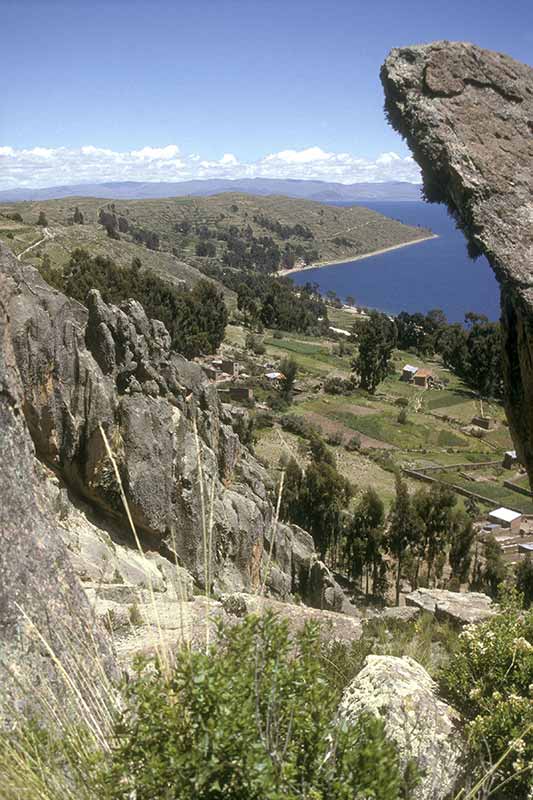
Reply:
x=245, y=251
x=284, y=231
x=115, y=225
x=422, y=533
x=149, y=239
x=275, y=304
x=472, y=351
x=315, y=498
x=195, y=318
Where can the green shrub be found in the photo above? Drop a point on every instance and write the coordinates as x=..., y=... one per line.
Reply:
x=490, y=681
x=353, y=443
x=251, y=720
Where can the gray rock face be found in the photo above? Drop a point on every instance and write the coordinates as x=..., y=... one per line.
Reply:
x=187, y=477
x=423, y=728
x=333, y=626
x=467, y=115
x=460, y=608
x=37, y=584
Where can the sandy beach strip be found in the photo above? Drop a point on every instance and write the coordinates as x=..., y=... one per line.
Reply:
x=349, y=259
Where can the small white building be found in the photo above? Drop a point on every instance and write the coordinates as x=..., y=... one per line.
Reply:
x=506, y=518
x=409, y=372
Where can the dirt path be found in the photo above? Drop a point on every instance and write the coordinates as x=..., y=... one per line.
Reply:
x=48, y=234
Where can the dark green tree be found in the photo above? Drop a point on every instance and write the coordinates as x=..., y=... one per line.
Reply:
x=524, y=580
x=78, y=216
x=288, y=369
x=364, y=540
x=376, y=339
x=461, y=543
x=41, y=220
x=403, y=530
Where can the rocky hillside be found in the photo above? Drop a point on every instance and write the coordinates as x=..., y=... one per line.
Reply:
x=189, y=482
x=467, y=115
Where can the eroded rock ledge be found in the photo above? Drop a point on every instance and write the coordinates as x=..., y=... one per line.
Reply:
x=80, y=369
x=467, y=115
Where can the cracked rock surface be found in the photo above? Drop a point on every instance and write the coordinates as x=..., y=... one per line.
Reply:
x=467, y=115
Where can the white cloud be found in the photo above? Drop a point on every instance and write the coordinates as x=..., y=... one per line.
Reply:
x=157, y=153
x=307, y=156
x=228, y=159
x=42, y=166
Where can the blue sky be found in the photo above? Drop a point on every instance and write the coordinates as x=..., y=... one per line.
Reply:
x=225, y=85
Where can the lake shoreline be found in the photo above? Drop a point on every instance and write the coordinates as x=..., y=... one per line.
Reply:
x=348, y=260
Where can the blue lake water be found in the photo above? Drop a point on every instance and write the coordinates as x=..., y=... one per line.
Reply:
x=433, y=274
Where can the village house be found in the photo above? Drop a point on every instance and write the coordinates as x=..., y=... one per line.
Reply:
x=506, y=518
x=487, y=423
x=423, y=378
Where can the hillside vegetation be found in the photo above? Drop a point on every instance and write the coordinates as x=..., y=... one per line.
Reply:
x=244, y=231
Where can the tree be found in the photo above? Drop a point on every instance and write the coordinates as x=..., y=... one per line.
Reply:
x=462, y=539
x=78, y=216
x=364, y=539
x=41, y=220
x=404, y=529
x=350, y=299
x=524, y=580
x=434, y=509
x=493, y=573
x=288, y=369
x=376, y=338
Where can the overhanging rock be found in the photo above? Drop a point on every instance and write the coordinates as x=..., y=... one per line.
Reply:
x=467, y=115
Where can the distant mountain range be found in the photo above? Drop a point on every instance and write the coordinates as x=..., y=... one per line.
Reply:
x=321, y=191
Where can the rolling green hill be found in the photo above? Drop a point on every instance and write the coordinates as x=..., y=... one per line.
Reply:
x=305, y=230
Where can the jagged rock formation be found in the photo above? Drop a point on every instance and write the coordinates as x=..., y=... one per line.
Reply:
x=39, y=593
x=185, y=473
x=467, y=115
x=459, y=608
x=423, y=728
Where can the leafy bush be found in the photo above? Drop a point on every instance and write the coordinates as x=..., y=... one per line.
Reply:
x=251, y=720
x=297, y=425
x=402, y=416
x=335, y=384
x=490, y=681
x=255, y=344
x=334, y=438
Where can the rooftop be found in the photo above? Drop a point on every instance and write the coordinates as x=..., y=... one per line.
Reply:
x=504, y=514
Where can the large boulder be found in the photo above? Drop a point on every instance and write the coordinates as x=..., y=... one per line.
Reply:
x=190, y=484
x=467, y=115
x=460, y=608
x=424, y=729
x=42, y=607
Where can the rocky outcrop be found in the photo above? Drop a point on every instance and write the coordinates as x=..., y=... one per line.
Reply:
x=189, y=482
x=42, y=607
x=333, y=626
x=459, y=608
x=423, y=728
x=467, y=115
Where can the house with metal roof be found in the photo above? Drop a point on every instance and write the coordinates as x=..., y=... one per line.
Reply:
x=506, y=518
